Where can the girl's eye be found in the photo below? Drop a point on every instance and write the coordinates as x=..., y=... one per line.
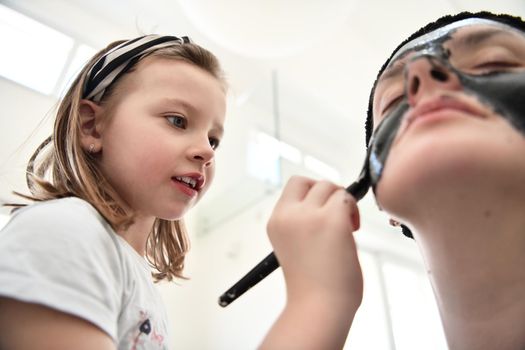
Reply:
x=177, y=121
x=214, y=142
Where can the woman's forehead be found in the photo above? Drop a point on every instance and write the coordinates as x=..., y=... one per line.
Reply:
x=452, y=31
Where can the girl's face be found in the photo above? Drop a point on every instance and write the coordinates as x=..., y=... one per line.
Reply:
x=159, y=141
x=450, y=115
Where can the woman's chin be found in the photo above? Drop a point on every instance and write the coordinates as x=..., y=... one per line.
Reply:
x=442, y=175
x=426, y=174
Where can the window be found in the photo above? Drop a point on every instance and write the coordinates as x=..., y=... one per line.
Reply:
x=82, y=54
x=265, y=153
x=37, y=56
x=398, y=310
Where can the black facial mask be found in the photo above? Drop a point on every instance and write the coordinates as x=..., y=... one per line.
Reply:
x=502, y=91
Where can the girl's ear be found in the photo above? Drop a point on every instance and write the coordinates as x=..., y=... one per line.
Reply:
x=90, y=126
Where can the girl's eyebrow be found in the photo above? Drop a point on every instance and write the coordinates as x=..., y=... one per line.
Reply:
x=219, y=129
x=179, y=103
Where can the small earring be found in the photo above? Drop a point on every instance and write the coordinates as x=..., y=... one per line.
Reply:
x=92, y=148
x=394, y=223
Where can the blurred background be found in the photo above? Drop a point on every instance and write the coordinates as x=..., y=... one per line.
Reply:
x=300, y=72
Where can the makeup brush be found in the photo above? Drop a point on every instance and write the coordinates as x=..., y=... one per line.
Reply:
x=269, y=264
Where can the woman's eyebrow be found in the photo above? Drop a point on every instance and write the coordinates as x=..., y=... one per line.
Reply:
x=480, y=37
x=392, y=72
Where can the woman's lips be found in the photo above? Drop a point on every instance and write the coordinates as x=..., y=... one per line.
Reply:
x=442, y=107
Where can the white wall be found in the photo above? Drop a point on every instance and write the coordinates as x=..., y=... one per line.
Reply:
x=20, y=106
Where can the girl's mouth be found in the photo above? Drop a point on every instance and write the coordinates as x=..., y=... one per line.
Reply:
x=189, y=181
x=189, y=184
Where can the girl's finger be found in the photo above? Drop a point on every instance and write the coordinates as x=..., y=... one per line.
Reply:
x=341, y=197
x=296, y=189
x=321, y=192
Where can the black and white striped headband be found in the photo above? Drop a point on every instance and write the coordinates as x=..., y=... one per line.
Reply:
x=120, y=59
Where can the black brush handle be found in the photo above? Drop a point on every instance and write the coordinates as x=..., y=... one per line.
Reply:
x=256, y=275
x=269, y=264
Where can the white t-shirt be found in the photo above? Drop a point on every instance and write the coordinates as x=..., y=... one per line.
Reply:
x=63, y=254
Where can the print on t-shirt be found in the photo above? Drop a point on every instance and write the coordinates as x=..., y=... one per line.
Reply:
x=146, y=335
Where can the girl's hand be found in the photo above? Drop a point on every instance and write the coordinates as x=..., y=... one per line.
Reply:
x=311, y=230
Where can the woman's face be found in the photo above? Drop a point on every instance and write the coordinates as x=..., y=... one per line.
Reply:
x=450, y=105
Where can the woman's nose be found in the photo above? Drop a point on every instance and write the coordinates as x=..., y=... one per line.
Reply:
x=426, y=74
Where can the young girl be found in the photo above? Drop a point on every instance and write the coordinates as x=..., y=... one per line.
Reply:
x=446, y=161
x=131, y=152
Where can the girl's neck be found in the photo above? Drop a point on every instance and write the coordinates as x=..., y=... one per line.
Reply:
x=137, y=233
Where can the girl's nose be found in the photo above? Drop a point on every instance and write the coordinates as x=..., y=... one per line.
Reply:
x=202, y=152
x=426, y=74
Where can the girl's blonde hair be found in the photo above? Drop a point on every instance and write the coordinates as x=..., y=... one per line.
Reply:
x=60, y=167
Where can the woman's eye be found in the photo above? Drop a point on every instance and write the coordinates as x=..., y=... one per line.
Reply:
x=391, y=103
x=178, y=121
x=495, y=66
x=214, y=142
